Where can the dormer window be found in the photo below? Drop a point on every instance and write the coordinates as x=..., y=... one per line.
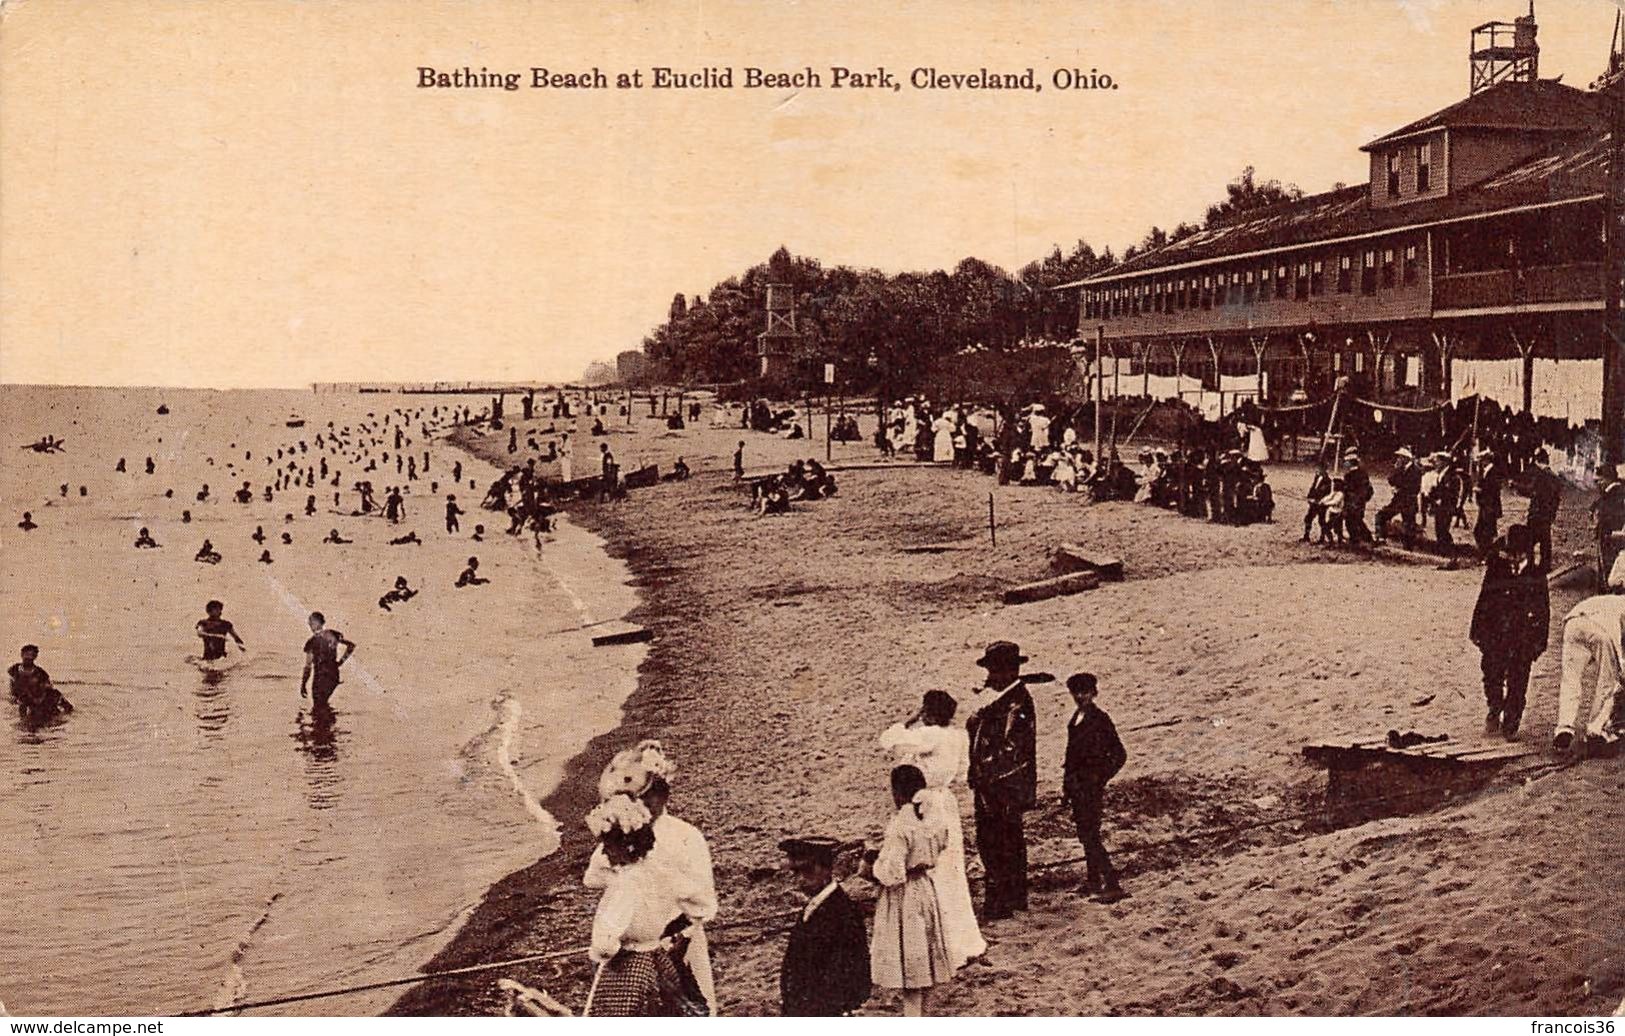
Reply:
x=1393, y=174
x=1424, y=167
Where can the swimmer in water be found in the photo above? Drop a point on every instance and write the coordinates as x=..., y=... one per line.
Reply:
x=398, y=595
x=207, y=554
x=334, y=537
x=144, y=540
x=27, y=524
x=214, y=630
x=31, y=686
x=471, y=576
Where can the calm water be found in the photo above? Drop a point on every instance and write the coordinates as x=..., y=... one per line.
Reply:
x=190, y=838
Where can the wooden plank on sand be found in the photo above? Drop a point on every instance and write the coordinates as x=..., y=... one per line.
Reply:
x=1044, y=589
x=621, y=633
x=1069, y=557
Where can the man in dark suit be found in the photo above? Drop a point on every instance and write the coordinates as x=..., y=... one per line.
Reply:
x=826, y=965
x=1094, y=754
x=1003, y=779
x=1545, y=496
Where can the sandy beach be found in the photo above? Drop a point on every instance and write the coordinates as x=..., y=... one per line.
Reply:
x=784, y=645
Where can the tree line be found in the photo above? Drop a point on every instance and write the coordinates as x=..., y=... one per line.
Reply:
x=900, y=328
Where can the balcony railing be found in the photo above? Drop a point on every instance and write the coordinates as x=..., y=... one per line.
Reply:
x=1572, y=282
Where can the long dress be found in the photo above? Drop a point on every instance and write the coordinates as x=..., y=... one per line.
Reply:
x=635, y=972
x=942, y=446
x=943, y=756
x=1257, y=449
x=683, y=860
x=908, y=949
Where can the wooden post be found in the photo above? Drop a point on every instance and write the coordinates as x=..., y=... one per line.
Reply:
x=1259, y=345
x=992, y=527
x=828, y=438
x=1613, y=340
x=1100, y=382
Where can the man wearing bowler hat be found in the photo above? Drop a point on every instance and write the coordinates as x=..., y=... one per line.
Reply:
x=1003, y=778
x=826, y=964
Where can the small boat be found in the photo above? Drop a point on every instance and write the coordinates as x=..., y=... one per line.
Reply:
x=295, y=422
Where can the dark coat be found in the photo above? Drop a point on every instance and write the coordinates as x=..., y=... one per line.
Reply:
x=1094, y=753
x=1513, y=615
x=1545, y=494
x=826, y=965
x=1357, y=491
x=1406, y=481
x=1004, y=750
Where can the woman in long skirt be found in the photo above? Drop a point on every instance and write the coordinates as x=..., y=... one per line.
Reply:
x=636, y=976
x=941, y=750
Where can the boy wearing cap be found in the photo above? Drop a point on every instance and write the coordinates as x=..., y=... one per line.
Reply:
x=1094, y=754
x=1003, y=778
x=825, y=972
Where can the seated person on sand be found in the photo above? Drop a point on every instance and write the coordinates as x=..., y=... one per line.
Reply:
x=679, y=471
x=794, y=431
x=244, y=495
x=144, y=540
x=265, y=557
x=819, y=482
x=27, y=524
x=772, y=498
x=598, y=427
x=401, y=541
x=399, y=594
x=207, y=554
x=334, y=537
x=287, y=539
x=203, y=494
x=675, y=422
x=471, y=576
x=479, y=534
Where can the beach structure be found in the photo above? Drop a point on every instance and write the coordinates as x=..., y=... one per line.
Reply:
x=1469, y=263
x=778, y=347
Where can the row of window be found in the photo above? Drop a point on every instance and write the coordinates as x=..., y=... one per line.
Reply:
x=1378, y=268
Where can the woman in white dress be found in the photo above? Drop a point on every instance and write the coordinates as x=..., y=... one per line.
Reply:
x=941, y=750
x=942, y=444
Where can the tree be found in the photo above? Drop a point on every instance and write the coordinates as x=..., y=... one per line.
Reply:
x=1245, y=195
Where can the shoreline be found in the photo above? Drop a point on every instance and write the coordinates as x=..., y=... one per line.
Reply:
x=542, y=889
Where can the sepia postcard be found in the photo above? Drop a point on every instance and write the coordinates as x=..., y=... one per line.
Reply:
x=706, y=508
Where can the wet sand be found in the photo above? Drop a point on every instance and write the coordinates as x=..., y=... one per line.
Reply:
x=785, y=645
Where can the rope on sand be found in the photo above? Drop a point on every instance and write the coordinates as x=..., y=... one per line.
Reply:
x=771, y=924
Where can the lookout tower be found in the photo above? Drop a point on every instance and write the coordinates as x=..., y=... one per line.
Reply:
x=1505, y=52
x=776, y=346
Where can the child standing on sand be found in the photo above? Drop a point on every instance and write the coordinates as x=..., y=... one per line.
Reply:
x=909, y=950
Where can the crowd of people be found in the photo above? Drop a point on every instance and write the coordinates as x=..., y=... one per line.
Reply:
x=648, y=940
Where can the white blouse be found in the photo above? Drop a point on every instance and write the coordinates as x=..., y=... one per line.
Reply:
x=633, y=913
x=941, y=753
x=684, y=860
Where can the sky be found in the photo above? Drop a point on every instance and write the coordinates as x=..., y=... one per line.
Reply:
x=257, y=193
